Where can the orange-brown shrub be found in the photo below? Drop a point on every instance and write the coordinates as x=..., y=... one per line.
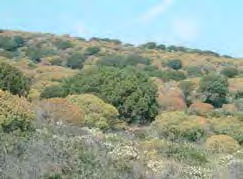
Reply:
x=200, y=108
x=202, y=121
x=231, y=108
x=167, y=103
x=171, y=98
x=59, y=109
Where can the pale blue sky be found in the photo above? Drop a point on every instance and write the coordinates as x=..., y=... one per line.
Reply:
x=207, y=24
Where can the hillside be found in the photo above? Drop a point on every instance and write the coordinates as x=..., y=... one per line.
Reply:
x=99, y=108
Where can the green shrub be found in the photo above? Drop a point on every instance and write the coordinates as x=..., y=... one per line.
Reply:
x=178, y=126
x=194, y=71
x=175, y=64
x=117, y=61
x=63, y=44
x=92, y=51
x=11, y=43
x=149, y=45
x=239, y=94
x=161, y=47
x=173, y=75
x=129, y=90
x=153, y=71
x=150, y=68
x=230, y=72
x=37, y=52
x=122, y=61
x=187, y=87
x=76, y=60
x=13, y=80
x=52, y=92
x=134, y=59
x=214, y=88
x=165, y=75
x=172, y=48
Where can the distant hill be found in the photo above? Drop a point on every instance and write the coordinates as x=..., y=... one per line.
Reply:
x=98, y=108
x=64, y=55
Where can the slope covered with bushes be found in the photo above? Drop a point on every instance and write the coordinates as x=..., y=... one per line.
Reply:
x=99, y=108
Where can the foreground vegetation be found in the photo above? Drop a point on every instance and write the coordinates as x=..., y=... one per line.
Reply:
x=72, y=108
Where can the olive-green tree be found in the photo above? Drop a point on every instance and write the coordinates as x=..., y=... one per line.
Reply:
x=128, y=89
x=175, y=64
x=214, y=88
x=13, y=80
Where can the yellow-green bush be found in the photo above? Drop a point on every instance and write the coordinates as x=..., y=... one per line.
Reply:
x=230, y=126
x=15, y=112
x=222, y=143
x=178, y=125
x=33, y=95
x=59, y=109
x=97, y=112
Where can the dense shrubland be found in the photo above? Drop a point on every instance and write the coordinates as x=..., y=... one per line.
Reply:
x=129, y=90
x=97, y=108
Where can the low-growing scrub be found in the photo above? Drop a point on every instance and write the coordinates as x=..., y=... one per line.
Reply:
x=57, y=151
x=182, y=152
x=99, y=109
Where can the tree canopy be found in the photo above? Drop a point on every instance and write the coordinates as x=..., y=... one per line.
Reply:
x=128, y=89
x=13, y=80
x=214, y=87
